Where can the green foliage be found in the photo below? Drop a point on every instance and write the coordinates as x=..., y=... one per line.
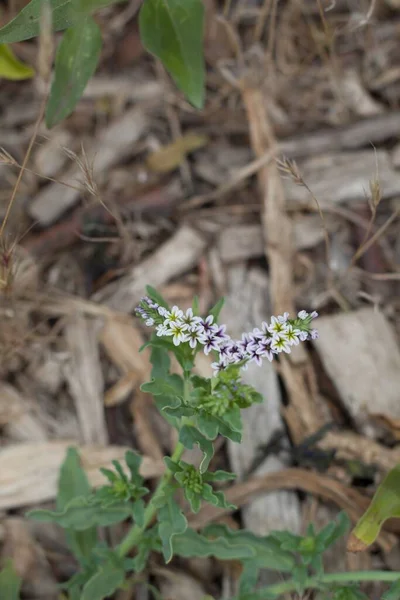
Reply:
x=76, y=61
x=393, y=593
x=348, y=593
x=82, y=513
x=172, y=522
x=200, y=409
x=11, y=67
x=73, y=483
x=384, y=505
x=172, y=30
x=189, y=436
x=10, y=583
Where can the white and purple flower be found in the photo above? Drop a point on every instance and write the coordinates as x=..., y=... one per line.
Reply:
x=178, y=330
x=190, y=320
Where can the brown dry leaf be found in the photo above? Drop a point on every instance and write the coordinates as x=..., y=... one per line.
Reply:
x=347, y=498
x=23, y=420
x=29, y=472
x=171, y=156
x=122, y=342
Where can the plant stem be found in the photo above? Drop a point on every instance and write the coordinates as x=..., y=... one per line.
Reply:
x=133, y=536
x=330, y=578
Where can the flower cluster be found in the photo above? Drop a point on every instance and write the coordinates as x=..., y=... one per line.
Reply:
x=264, y=342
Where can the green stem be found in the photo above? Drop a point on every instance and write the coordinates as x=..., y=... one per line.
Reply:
x=133, y=536
x=318, y=582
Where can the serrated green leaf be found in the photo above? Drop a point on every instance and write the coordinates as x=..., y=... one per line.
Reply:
x=173, y=31
x=189, y=436
x=220, y=476
x=216, y=309
x=80, y=514
x=104, y=583
x=393, y=593
x=73, y=483
x=76, y=61
x=10, y=582
x=12, y=68
x=172, y=522
x=226, y=544
x=171, y=386
x=216, y=498
x=334, y=530
x=384, y=505
x=133, y=461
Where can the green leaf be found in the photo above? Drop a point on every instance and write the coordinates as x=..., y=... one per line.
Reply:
x=10, y=582
x=73, y=483
x=220, y=476
x=350, y=593
x=161, y=362
x=11, y=67
x=195, y=306
x=216, y=309
x=189, y=436
x=133, y=461
x=156, y=296
x=393, y=593
x=76, y=61
x=80, y=514
x=26, y=24
x=226, y=544
x=104, y=583
x=172, y=522
x=168, y=386
x=173, y=31
x=138, y=512
x=384, y=505
x=215, y=498
x=334, y=530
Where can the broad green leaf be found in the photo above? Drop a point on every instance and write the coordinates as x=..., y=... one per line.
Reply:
x=384, y=505
x=173, y=31
x=103, y=583
x=393, y=593
x=172, y=522
x=76, y=61
x=161, y=362
x=172, y=385
x=81, y=514
x=189, y=436
x=10, y=582
x=11, y=67
x=26, y=24
x=73, y=483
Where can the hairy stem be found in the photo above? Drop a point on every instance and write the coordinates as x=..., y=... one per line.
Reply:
x=330, y=578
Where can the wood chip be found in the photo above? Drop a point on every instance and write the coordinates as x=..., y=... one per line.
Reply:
x=29, y=472
x=179, y=254
x=360, y=354
x=85, y=378
x=20, y=417
x=246, y=306
x=343, y=177
x=113, y=144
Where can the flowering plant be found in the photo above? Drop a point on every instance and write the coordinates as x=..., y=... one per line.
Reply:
x=200, y=409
